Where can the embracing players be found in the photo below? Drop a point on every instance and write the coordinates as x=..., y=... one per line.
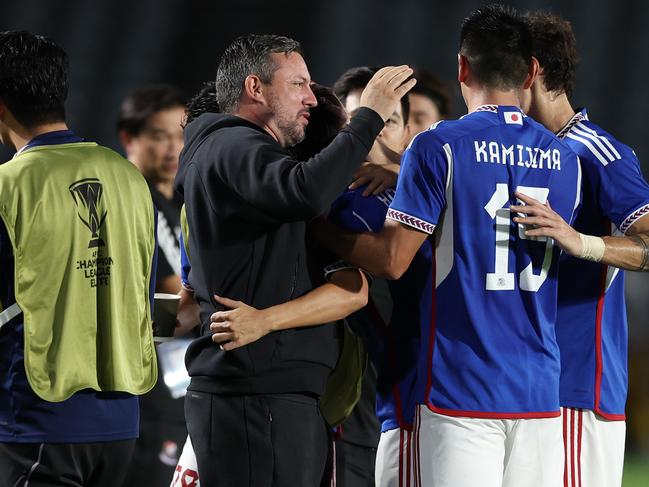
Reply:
x=488, y=372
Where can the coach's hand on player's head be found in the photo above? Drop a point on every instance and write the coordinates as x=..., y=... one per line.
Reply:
x=385, y=89
x=542, y=221
x=238, y=326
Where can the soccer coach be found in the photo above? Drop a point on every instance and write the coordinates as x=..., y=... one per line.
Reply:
x=252, y=412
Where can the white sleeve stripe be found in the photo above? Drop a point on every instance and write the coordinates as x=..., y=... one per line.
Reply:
x=597, y=141
x=589, y=146
x=634, y=217
x=449, y=160
x=602, y=138
x=411, y=221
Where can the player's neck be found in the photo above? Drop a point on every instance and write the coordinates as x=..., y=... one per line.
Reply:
x=553, y=111
x=477, y=98
x=20, y=136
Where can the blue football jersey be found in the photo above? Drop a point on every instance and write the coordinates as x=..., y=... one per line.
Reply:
x=591, y=323
x=490, y=347
x=391, y=323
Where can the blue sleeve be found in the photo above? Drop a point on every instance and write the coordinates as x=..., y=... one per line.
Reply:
x=154, y=262
x=185, y=266
x=619, y=187
x=421, y=190
x=354, y=212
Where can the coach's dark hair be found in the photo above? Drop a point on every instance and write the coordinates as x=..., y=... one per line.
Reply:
x=325, y=121
x=34, y=78
x=140, y=104
x=555, y=47
x=202, y=102
x=357, y=79
x=496, y=41
x=248, y=55
x=434, y=89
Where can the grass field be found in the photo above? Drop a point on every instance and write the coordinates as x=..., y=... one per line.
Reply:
x=636, y=472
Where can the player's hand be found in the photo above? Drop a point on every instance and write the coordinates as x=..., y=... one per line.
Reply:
x=385, y=89
x=542, y=221
x=238, y=326
x=377, y=177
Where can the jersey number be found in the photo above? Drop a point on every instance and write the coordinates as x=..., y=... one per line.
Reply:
x=501, y=279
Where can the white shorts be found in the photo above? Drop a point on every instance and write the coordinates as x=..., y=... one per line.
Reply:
x=395, y=459
x=593, y=449
x=470, y=452
x=186, y=474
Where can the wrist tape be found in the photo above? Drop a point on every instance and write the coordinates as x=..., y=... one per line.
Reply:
x=592, y=248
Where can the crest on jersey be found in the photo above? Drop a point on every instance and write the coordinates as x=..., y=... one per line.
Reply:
x=88, y=196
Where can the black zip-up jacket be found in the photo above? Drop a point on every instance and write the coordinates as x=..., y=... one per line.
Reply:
x=247, y=203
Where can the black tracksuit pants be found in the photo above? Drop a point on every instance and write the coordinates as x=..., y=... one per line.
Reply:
x=278, y=440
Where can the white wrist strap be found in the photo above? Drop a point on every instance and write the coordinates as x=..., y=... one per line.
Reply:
x=8, y=314
x=592, y=248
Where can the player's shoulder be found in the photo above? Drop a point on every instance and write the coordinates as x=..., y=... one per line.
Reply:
x=591, y=142
x=446, y=132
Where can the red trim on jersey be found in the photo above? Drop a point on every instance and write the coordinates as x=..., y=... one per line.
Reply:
x=611, y=417
x=433, y=328
x=458, y=413
x=598, y=335
x=599, y=362
x=579, y=428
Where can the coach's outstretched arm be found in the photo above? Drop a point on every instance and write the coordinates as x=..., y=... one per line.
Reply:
x=630, y=252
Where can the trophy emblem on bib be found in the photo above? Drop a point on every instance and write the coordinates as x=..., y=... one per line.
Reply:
x=87, y=195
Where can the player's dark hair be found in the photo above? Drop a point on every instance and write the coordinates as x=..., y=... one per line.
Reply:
x=325, y=121
x=34, y=78
x=496, y=41
x=248, y=55
x=140, y=104
x=555, y=47
x=357, y=79
x=434, y=89
x=202, y=102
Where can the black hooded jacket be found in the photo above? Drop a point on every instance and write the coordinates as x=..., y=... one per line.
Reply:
x=247, y=203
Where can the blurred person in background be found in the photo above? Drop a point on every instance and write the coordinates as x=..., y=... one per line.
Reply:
x=611, y=232
x=77, y=253
x=150, y=130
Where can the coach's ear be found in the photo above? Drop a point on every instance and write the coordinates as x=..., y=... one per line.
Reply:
x=532, y=73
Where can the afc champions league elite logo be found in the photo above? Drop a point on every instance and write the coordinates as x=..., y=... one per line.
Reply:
x=87, y=195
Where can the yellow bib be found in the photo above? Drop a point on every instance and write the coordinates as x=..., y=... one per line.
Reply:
x=81, y=223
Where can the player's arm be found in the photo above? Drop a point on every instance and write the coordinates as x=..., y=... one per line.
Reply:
x=630, y=252
x=386, y=254
x=240, y=325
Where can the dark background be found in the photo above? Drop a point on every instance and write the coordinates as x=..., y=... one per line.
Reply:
x=118, y=45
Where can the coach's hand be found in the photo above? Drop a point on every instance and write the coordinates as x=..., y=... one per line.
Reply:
x=385, y=89
x=238, y=326
x=542, y=221
x=378, y=178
